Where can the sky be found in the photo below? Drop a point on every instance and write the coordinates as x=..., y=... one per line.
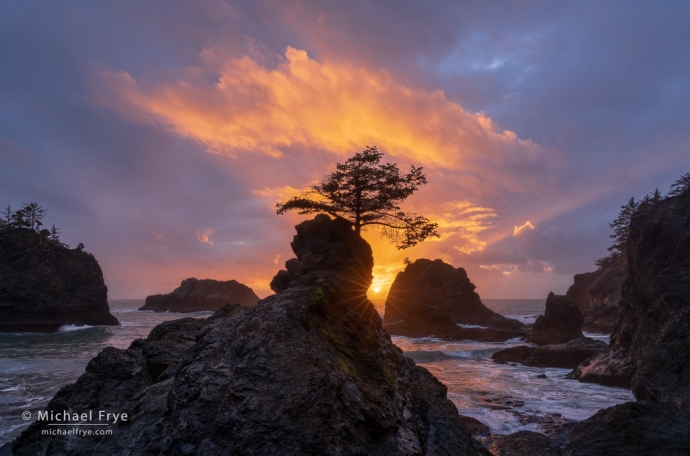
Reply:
x=160, y=134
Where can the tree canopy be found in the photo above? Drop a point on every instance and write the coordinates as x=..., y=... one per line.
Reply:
x=366, y=192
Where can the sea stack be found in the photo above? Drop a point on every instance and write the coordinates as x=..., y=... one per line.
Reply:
x=195, y=295
x=561, y=322
x=45, y=285
x=435, y=298
x=308, y=370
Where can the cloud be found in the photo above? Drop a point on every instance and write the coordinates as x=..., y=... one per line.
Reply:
x=526, y=226
x=332, y=106
x=204, y=236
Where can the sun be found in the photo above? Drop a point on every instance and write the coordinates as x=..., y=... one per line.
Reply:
x=376, y=289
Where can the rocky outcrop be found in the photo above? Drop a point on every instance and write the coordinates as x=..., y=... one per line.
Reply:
x=650, y=343
x=44, y=285
x=195, y=295
x=309, y=370
x=632, y=428
x=603, y=287
x=429, y=297
x=561, y=322
x=522, y=443
x=601, y=319
x=566, y=356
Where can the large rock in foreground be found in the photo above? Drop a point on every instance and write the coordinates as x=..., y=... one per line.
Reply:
x=433, y=298
x=44, y=285
x=650, y=342
x=632, y=428
x=522, y=443
x=195, y=295
x=307, y=371
x=561, y=322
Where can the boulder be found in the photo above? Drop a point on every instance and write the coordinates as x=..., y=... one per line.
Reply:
x=522, y=443
x=308, y=370
x=632, y=428
x=561, y=322
x=478, y=429
x=427, y=295
x=45, y=285
x=567, y=356
x=603, y=287
x=195, y=295
x=650, y=343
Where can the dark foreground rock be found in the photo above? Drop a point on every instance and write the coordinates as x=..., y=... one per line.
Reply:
x=309, y=370
x=195, y=295
x=433, y=298
x=561, y=322
x=44, y=285
x=477, y=429
x=601, y=319
x=522, y=443
x=567, y=356
x=632, y=428
x=649, y=347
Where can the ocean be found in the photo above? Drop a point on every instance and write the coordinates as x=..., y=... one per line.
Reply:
x=507, y=398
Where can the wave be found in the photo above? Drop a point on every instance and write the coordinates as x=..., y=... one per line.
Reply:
x=69, y=328
x=427, y=356
x=471, y=326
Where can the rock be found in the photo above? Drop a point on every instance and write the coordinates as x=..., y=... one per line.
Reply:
x=428, y=297
x=561, y=322
x=522, y=443
x=567, y=356
x=601, y=319
x=44, y=285
x=477, y=429
x=198, y=295
x=632, y=428
x=650, y=342
x=329, y=255
x=309, y=370
x=603, y=287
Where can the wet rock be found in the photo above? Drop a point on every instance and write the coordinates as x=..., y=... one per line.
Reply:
x=309, y=370
x=44, y=285
x=567, y=356
x=477, y=429
x=195, y=295
x=561, y=322
x=649, y=343
x=430, y=297
x=522, y=443
x=632, y=428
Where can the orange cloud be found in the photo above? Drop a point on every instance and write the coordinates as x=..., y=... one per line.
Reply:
x=526, y=226
x=204, y=236
x=302, y=102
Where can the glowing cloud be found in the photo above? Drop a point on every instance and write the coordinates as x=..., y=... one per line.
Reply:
x=302, y=102
x=519, y=229
x=204, y=236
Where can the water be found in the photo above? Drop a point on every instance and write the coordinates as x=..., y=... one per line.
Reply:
x=33, y=367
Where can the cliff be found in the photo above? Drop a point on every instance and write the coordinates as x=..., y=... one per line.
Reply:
x=195, y=295
x=44, y=285
x=306, y=371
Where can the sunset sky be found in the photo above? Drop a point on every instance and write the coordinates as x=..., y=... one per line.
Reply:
x=162, y=133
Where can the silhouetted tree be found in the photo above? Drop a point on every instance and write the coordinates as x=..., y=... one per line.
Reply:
x=621, y=226
x=34, y=215
x=680, y=186
x=366, y=192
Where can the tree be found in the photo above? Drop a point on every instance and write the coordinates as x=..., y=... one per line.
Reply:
x=366, y=192
x=621, y=227
x=34, y=215
x=680, y=186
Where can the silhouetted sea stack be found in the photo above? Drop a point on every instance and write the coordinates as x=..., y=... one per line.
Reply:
x=195, y=295
x=45, y=285
x=434, y=298
x=561, y=322
x=306, y=371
